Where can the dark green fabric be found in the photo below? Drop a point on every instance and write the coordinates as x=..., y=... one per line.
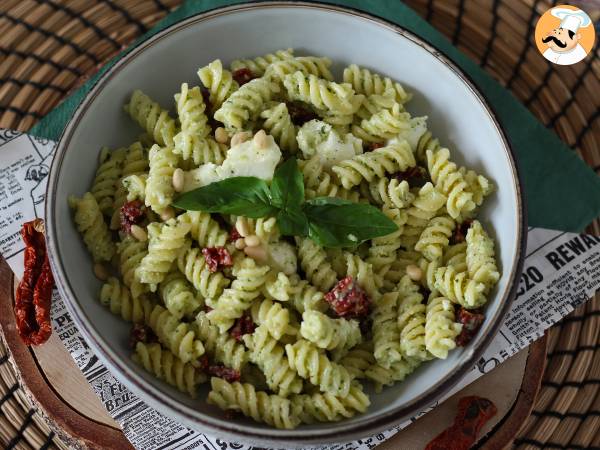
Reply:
x=561, y=191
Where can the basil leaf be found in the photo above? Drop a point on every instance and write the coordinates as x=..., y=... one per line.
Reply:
x=241, y=196
x=287, y=187
x=334, y=222
x=292, y=222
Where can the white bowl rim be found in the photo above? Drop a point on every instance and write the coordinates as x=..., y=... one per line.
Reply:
x=336, y=431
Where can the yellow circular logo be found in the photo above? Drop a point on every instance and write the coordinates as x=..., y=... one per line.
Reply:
x=565, y=35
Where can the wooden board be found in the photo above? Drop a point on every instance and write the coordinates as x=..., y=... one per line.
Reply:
x=51, y=377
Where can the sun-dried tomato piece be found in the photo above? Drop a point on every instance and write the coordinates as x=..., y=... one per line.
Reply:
x=348, y=299
x=300, y=112
x=243, y=75
x=227, y=373
x=216, y=258
x=460, y=232
x=471, y=322
x=243, y=325
x=234, y=235
x=131, y=213
x=204, y=363
x=473, y=413
x=33, y=295
x=416, y=176
x=141, y=333
x=374, y=146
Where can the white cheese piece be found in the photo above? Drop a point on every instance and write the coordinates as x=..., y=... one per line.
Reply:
x=282, y=257
x=317, y=137
x=243, y=160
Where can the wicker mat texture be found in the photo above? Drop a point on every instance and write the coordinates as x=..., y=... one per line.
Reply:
x=49, y=47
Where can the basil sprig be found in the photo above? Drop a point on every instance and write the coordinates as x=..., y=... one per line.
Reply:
x=329, y=221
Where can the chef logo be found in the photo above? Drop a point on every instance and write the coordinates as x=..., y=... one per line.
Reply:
x=564, y=35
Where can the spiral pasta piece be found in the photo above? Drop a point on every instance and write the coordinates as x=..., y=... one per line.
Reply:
x=392, y=193
x=426, y=142
x=365, y=82
x=190, y=109
x=192, y=264
x=307, y=65
x=247, y=285
x=326, y=407
x=481, y=261
x=199, y=150
x=459, y=288
x=204, y=229
x=269, y=355
x=319, y=183
x=131, y=252
x=119, y=300
x=152, y=118
x=221, y=346
x=313, y=261
x=175, y=335
x=397, y=268
x=328, y=333
x=362, y=272
x=178, y=295
x=259, y=65
x=245, y=104
x=374, y=103
x=159, y=185
x=305, y=297
x=105, y=182
x=165, y=242
x=90, y=223
x=358, y=360
x=456, y=256
x=440, y=328
x=135, y=163
x=278, y=124
x=273, y=410
x=135, y=185
x=411, y=320
x=383, y=376
x=450, y=182
x=311, y=364
x=382, y=125
x=386, y=334
x=478, y=185
x=274, y=317
x=425, y=207
x=386, y=160
x=218, y=81
x=383, y=250
x=322, y=94
x=428, y=269
x=435, y=237
x=166, y=366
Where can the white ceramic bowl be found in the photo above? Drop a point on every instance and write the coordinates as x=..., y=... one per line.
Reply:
x=458, y=115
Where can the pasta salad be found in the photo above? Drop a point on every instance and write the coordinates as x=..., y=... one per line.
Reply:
x=287, y=238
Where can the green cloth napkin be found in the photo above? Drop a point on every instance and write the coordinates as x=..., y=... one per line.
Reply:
x=561, y=191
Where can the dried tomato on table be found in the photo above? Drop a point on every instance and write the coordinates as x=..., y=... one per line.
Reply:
x=34, y=293
x=473, y=413
x=471, y=322
x=348, y=299
x=217, y=257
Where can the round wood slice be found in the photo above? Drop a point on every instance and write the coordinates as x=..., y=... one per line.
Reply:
x=57, y=386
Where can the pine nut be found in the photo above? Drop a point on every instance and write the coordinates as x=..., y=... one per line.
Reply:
x=242, y=227
x=240, y=243
x=101, y=272
x=167, y=214
x=139, y=233
x=252, y=241
x=221, y=135
x=239, y=137
x=414, y=272
x=178, y=179
x=261, y=140
x=259, y=254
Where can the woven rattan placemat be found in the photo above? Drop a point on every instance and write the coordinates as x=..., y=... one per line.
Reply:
x=49, y=47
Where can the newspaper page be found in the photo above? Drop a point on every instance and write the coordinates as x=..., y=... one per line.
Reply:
x=561, y=271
